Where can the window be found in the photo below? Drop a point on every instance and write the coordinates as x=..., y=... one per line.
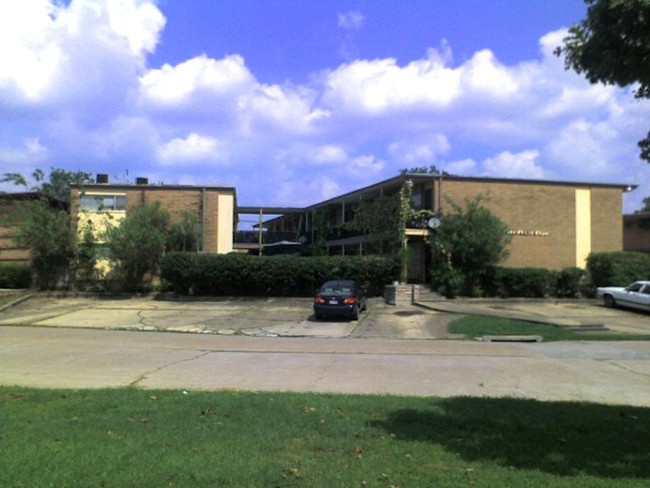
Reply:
x=96, y=203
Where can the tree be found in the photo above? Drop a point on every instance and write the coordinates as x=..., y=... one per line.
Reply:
x=425, y=170
x=48, y=233
x=646, y=206
x=46, y=227
x=54, y=187
x=137, y=245
x=612, y=46
x=466, y=247
x=186, y=234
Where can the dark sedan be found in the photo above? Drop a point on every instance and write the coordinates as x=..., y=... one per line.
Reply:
x=341, y=298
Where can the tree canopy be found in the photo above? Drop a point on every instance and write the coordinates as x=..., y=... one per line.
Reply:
x=468, y=245
x=612, y=46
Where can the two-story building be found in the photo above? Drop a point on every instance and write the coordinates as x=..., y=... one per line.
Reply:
x=553, y=224
x=103, y=204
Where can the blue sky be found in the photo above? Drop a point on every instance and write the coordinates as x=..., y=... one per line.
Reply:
x=295, y=101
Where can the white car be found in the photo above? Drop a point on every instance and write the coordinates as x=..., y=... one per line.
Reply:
x=636, y=295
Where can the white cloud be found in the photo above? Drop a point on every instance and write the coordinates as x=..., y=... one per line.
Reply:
x=351, y=20
x=191, y=149
x=462, y=167
x=52, y=52
x=420, y=151
x=519, y=165
x=188, y=82
x=31, y=151
x=75, y=90
x=381, y=85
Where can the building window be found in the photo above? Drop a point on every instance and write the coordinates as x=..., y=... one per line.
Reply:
x=97, y=203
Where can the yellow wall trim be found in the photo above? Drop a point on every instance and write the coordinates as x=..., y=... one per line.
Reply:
x=583, y=227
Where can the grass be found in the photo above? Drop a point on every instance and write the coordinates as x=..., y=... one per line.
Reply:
x=475, y=326
x=130, y=437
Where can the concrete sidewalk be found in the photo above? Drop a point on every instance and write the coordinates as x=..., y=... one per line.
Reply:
x=274, y=344
x=610, y=372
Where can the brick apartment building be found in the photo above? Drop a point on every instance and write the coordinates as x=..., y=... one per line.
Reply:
x=105, y=204
x=636, y=232
x=11, y=212
x=553, y=224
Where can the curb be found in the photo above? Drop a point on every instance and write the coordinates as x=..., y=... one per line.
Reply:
x=15, y=302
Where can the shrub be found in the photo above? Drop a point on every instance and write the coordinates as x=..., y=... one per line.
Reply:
x=15, y=275
x=617, y=268
x=523, y=282
x=466, y=247
x=569, y=282
x=244, y=275
x=137, y=245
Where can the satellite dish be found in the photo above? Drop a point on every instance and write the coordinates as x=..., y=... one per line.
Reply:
x=433, y=223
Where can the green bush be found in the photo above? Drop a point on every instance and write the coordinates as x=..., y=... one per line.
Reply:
x=15, y=275
x=569, y=282
x=617, y=268
x=522, y=282
x=244, y=275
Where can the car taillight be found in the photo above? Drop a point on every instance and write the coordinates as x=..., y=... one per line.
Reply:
x=319, y=300
x=350, y=301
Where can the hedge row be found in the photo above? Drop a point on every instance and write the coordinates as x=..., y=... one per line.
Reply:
x=244, y=275
x=15, y=275
x=618, y=268
x=535, y=282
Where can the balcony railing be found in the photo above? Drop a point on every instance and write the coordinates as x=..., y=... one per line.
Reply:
x=252, y=237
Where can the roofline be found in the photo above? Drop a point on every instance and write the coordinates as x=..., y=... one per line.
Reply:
x=152, y=187
x=637, y=216
x=270, y=210
x=24, y=195
x=444, y=177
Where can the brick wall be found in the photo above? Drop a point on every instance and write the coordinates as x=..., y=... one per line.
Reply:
x=10, y=251
x=636, y=234
x=199, y=201
x=549, y=211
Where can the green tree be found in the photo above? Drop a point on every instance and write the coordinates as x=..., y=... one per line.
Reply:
x=646, y=206
x=137, y=245
x=186, y=234
x=46, y=227
x=425, y=170
x=612, y=46
x=48, y=233
x=466, y=247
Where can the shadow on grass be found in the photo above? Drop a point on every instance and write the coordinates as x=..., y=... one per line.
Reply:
x=560, y=438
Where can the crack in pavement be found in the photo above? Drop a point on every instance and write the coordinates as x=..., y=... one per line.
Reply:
x=629, y=370
x=144, y=375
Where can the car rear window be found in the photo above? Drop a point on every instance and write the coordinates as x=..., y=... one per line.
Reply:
x=336, y=290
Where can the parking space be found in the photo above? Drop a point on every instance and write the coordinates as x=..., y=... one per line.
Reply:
x=273, y=317
x=293, y=317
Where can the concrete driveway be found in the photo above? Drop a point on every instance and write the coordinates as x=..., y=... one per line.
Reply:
x=271, y=317
x=292, y=317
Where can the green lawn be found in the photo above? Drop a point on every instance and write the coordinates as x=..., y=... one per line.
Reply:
x=475, y=326
x=137, y=438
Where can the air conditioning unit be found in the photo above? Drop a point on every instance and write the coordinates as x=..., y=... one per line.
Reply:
x=102, y=178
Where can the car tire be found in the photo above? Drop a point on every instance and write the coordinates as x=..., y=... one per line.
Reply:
x=609, y=301
x=355, y=314
x=318, y=316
